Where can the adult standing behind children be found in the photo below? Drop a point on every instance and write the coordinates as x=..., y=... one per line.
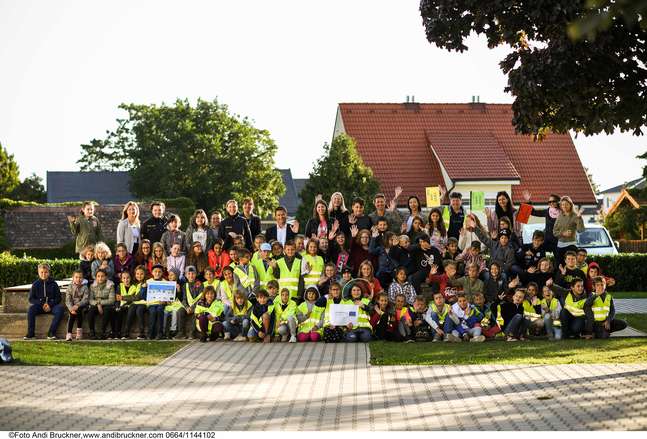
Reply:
x=44, y=298
x=153, y=228
x=551, y=214
x=129, y=227
x=199, y=231
x=392, y=215
x=85, y=228
x=337, y=211
x=233, y=225
x=254, y=221
x=282, y=231
x=456, y=213
x=568, y=223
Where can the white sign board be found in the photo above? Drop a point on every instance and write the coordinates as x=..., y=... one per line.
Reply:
x=160, y=291
x=342, y=315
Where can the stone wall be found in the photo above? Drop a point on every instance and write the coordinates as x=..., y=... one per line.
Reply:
x=35, y=227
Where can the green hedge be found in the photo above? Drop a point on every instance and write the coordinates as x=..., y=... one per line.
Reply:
x=628, y=269
x=16, y=270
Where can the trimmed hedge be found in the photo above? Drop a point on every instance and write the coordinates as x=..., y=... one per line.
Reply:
x=628, y=269
x=19, y=271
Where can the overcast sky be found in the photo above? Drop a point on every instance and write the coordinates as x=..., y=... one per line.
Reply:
x=65, y=66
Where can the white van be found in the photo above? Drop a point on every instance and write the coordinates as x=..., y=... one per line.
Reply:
x=595, y=238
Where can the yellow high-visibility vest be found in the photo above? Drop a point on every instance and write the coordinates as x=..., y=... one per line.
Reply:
x=247, y=280
x=529, y=311
x=281, y=315
x=264, y=274
x=552, y=306
x=289, y=278
x=363, y=319
x=215, y=309
x=312, y=320
x=441, y=315
x=316, y=269
x=601, y=308
x=576, y=308
x=131, y=291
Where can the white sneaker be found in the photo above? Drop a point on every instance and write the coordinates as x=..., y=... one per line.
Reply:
x=239, y=338
x=293, y=339
x=227, y=336
x=453, y=339
x=68, y=336
x=478, y=339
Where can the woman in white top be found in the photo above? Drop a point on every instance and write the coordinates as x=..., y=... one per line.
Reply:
x=129, y=228
x=199, y=231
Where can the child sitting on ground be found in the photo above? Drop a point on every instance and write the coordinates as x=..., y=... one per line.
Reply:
x=383, y=319
x=463, y=322
x=437, y=314
x=285, y=310
x=208, y=313
x=175, y=312
x=600, y=312
x=532, y=309
x=309, y=316
x=443, y=280
x=421, y=330
x=361, y=332
x=401, y=285
x=262, y=318
x=403, y=318
x=331, y=334
x=550, y=313
x=237, y=317
x=489, y=328
x=470, y=284
x=77, y=299
x=510, y=317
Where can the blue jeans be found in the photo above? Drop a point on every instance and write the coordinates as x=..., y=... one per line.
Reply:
x=155, y=320
x=239, y=328
x=571, y=326
x=552, y=330
x=359, y=334
x=517, y=326
x=34, y=310
x=451, y=326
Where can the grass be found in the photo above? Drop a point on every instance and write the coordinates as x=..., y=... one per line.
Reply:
x=636, y=321
x=61, y=353
x=629, y=294
x=619, y=350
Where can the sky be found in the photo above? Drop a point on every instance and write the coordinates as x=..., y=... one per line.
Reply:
x=65, y=66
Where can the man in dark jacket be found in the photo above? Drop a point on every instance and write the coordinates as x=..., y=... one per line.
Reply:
x=423, y=256
x=155, y=226
x=235, y=224
x=254, y=221
x=456, y=215
x=282, y=231
x=44, y=297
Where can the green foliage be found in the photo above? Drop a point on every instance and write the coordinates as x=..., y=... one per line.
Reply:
x=600, y=15
x=559, y=84
x=202, y=152
x=624, y=222
x=628, y=269
x=18, y=271
x=339, y=169
x=9, y=179
x=8, y=203
x=30, y=189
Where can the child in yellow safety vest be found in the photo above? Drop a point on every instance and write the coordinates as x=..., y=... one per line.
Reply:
x=309, y=316
x=489, y=327
x=287, y=270
x=312, y=265
x=228, y=287
x=246, y=273
x=126, y=294
x=550, y=312
x=600, y=312
x=237, y=317
x=138, y=306
x=285, y=310
x=208, y=315
x=331, y=334
x=262, y=318
x=437, y=314
x=175, y=311
x=361, y=331
x=572, y=317
x=532, y=309
x=261, y=262
x=463, y=322
x=192, y=291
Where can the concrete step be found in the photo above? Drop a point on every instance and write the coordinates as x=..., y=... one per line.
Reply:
x=14, y=325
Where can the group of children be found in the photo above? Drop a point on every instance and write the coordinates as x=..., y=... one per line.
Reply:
x=440, y=287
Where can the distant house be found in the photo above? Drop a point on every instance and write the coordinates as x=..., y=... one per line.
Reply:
x=463, y=147
x=112, y=187
x=609, y=196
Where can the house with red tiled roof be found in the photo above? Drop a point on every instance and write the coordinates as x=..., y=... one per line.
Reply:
x=462, y=147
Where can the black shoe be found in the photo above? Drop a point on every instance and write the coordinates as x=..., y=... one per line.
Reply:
x=28, y=337
x=160, y=337
x=93, y=336
x=203, y=339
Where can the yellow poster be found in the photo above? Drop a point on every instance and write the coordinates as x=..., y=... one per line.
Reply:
x=433, y=196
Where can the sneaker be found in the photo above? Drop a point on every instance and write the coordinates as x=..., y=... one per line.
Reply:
x=123, y=337
x=28, y=337
x=227, y=336
x=293, y=339
x=466, y=337
x=178, y=337
x=446, y=339
x=478, y=339
x=436, y=339
x=453, y=339
x=409, y=340
x=68, y=336
x=52, y=337
x=239, y=338
x=510, y=338
x=79, y=334
x=141, y=337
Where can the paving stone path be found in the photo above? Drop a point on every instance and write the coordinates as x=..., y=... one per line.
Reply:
x=631, y=306
x=243, y=386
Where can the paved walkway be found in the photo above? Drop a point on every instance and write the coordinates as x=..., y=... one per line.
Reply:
x=631, y=306
x=320, y=386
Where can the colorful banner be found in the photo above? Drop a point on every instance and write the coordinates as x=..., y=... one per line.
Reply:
x=477, y=201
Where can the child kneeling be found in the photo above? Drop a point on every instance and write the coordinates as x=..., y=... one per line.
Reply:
x=208, y=315
x=309, y=316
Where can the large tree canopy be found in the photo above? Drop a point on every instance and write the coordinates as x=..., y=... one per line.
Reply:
x=339, y=169
x=574, y=64
x=9, y=175
x=202, y=152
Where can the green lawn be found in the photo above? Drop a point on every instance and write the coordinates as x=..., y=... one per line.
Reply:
x=636, y=321
x=61, y=353
x=629, y=294
x=620, y=350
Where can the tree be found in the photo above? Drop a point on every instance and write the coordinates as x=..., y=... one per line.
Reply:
x=560, y=81
x=594, y=185
x=30, y=189
x=202, y=152
x=339, y=169
x=8, y=173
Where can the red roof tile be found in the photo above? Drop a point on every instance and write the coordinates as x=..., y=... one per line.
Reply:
x=471, y=155
x=394, y=140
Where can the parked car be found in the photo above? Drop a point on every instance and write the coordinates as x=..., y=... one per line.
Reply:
x=595, y=239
